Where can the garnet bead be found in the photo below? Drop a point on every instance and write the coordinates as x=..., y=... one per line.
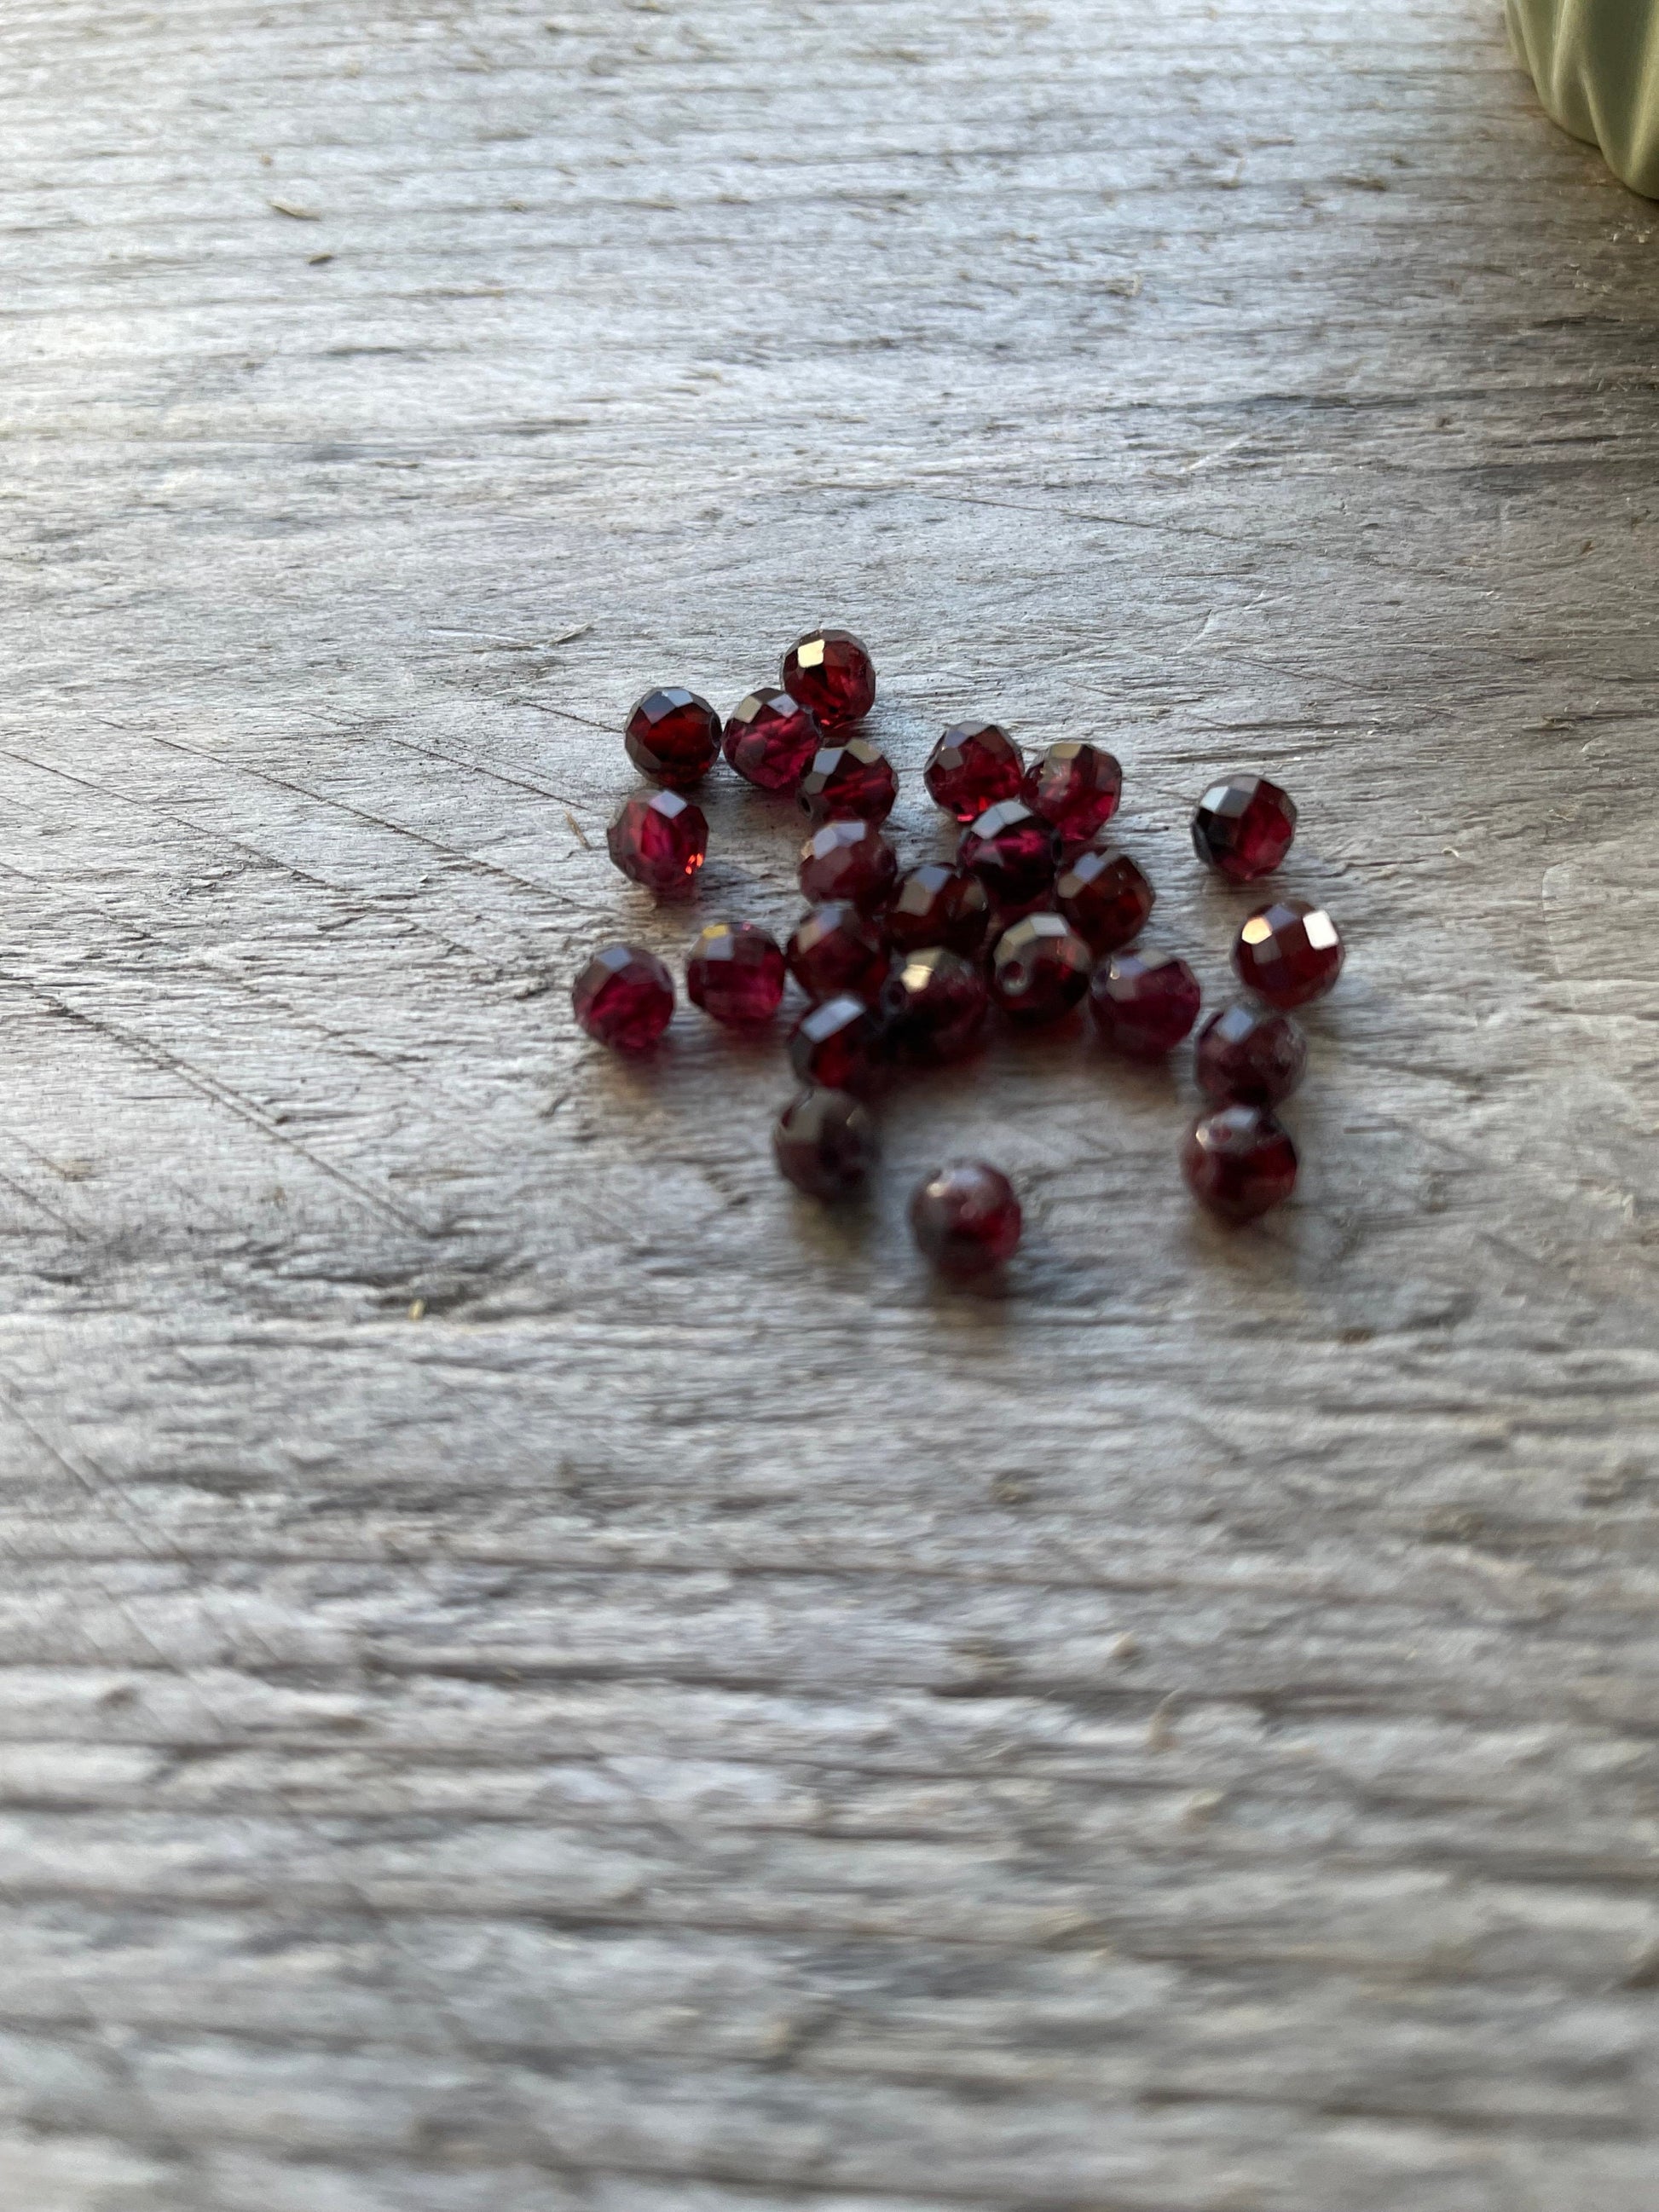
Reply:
x=770, y=738
x=1288, y=953
x=1104, y=896
x=838, y=1046
x=673, y=736
x=1014, y=853
x=972, y=767
x=831, y=672
x=933, y=1006
x=1075, y=786
x=736, y=974
x=825, y=1143
x=1239, y=1162
x=936, y=904
x=1040, y=969
x=1243, y=828
x=965, y=1218
x=835, y=949
x=1249, y=1056
x=659, y=841
x=847, y=860
x=624, y=998
x=856, y=778
x=1144, y=1002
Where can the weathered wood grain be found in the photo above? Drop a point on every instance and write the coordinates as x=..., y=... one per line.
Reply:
x=699, y=1720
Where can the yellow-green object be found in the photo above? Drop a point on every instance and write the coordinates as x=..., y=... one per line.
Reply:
x=1595, y=64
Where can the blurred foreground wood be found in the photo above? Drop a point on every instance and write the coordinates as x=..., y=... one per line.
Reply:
x=535, y=1673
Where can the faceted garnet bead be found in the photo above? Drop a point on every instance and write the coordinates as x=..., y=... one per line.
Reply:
x=849, y=860
x=824, y=1142
x=1243, y=828
x=965, y=1218
x=624, y=998
x=1249, y=1056
x=936, y=904
x=1014, y=853
x=1040, y=969
x=673, y=736
x=1239, y=1162
x=771, y=738
x=736, y=974
x=932, y=1006
x=1104, y=896
x=1144, y=1002
x=1288, y=953
x=1077, y=787
x=659, y=841
x=855, y=779
x=831, y=672
x=838, y=1046
x=972, y=767
x=835, y=949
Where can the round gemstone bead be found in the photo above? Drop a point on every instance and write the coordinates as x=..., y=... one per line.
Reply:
x=835, y=949
x=673, y=736
x=838, y=1046
x=736, y=974
x=849, y=860
x=1040, y=969
x=933, y=1006
x=965, y=1218
x=824, y=1142
x=1014, y=853
x=972, y=766
x=1104, y=896
x=1288, y=953
x=659, y=841
x=1243, y=828
x=831, y=672
x=936, y=904
x=1144, y=1002
x=624, y=998
x=770, y=739
x=855, y=779
x=1249, y=1056
x=1239, y=1162
x=1075, y=786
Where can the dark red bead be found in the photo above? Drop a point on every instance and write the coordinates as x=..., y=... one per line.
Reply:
x=972, y=767
x=659, y=841
x=673, y=736
x=849, y=860
x=1040, y=969
x=1249, y=1056
x=936, y=904
x=1075, y=786
x=854, y=779
x=1288, y=953
x=624, y=998
x=1014, y=853
x=933, y=1006
x=834, y=948
x=838, y=1046
x=1239, y=1162
x=1144, y=1002
x=1104, y=896
x=965, y=1218
x=825, y=1143
x=831, y=672
x=1243, y=828
x=771, y=738
x=736, y=974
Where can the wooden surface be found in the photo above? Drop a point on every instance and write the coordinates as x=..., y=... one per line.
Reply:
x=538, y=1675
